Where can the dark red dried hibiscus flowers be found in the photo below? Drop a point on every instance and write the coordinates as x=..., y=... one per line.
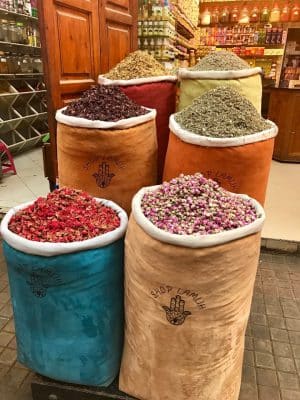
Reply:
x=65, y=215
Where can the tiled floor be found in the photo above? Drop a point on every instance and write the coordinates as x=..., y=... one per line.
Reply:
x=272, y=355
x=28, y=184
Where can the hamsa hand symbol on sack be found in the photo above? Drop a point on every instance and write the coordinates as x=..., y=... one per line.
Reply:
x=175, y=314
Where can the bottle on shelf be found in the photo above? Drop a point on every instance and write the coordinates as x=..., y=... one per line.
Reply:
x=244, y=16
x=225, y=16
x=254, y=15
x=27, y=7
x=34, y=10
x=234, y=16
x=206, y=17
x=265, y=14
x=295, y=13
x=215, y=16
x=285, y=13
x=275, y=14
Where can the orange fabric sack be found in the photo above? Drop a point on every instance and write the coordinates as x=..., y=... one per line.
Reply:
x=186, y=312
x=108, y=163
x=240, y=164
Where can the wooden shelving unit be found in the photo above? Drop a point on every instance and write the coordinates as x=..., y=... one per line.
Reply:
x=23, y=107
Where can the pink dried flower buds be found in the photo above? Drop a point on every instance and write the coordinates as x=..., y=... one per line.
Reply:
x=192, y=204
x=65, y=215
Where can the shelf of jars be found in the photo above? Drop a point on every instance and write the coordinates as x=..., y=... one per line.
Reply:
x=4, y=13
x=212, y=13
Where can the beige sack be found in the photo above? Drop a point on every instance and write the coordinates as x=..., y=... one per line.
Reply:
x=186, y=315
x=196, y=83
x=111, y=163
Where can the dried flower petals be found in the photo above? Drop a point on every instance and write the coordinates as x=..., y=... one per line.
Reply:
x=65, y=215
x=104, y=103
x=192, y=204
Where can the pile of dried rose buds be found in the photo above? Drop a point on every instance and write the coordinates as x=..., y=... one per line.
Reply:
x=65, y=215
x=192, y=204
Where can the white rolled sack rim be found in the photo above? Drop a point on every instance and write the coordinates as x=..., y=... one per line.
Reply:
x=102, y=80
x=48, y=249
x=97, y=124
x=195, y=240
x=185, y=73
x=208, y=141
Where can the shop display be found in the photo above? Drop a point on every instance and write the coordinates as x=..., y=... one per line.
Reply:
x=195, y=205
x=26, y=7
x=198, y=80
x=193, y=292
x=221, y=112
x=104, y=103
x=220, y=61
x=156, y=92
x=65, y=215
x=107, y=159
x=136, y=65
x=78, y=284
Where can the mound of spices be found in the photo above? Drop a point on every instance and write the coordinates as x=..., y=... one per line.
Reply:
x=220, y=61
x=222, y=112
x=65, y=215
x=104, y=103
x=138, y=64
x=192, y=204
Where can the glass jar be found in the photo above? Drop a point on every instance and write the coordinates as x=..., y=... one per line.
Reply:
x=215, y=16
x=244, y=16
x=275, y=14
x=265, y=14
x=285, y=14
x=295, y=13
x=206, y=17
x=14, y=66
x=12, y=32
x=5, y=30
x=224, y=16
x=21, y=33
x=26, y=65
x=234, y=17
x=3, y=63
x=254, y=16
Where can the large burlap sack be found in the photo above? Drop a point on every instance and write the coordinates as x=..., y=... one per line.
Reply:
x=195, y=83
x=107, y=159
x=159, y=93
x=187, y=303
x=68, y=303
x=238, y=164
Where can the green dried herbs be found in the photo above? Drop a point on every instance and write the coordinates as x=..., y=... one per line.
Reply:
x=139, y=64
x=222, y=112
x=220, y=61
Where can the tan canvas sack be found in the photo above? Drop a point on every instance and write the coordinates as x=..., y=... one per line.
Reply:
x=187, y=303
x=111, y=160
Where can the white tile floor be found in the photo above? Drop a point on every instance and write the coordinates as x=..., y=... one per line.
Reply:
x=282, y=204
x=28, y=184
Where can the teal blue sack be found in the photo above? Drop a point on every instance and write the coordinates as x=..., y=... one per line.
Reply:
x=68, y=308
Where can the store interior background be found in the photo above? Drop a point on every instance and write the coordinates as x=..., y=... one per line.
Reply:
x=177, y=33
